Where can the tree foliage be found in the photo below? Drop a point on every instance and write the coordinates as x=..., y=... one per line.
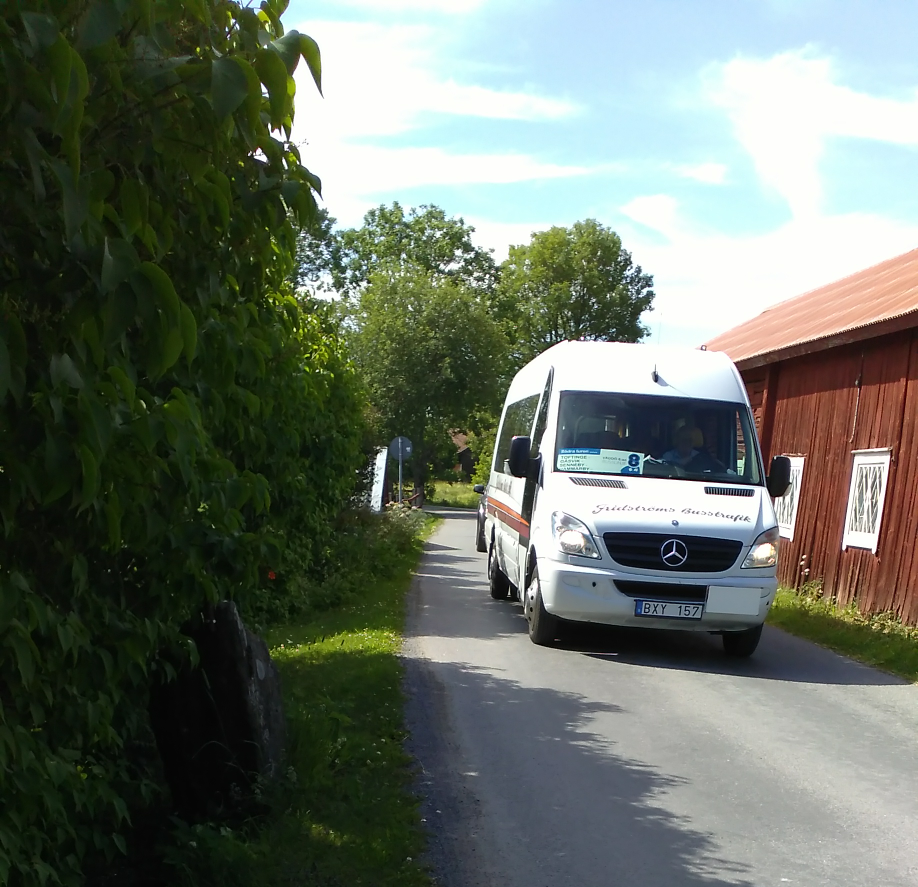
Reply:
x=482, y=445
x=430, y=355
x=315, y=255
x=167, y=411
x=572, y=283
x=424, y=238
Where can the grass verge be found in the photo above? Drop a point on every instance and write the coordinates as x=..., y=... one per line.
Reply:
x=346, y=814
x=454, y=495
x=881, y=640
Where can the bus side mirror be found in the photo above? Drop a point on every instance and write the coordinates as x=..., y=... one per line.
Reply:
x=778, y=479
x=478, y=488
x=518, y=461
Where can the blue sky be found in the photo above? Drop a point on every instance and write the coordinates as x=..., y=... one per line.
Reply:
x=745, y=151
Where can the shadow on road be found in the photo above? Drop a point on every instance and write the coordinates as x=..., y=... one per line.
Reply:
x=459, y=575
x=780, y=656
x=447, y=512
x=613, y=830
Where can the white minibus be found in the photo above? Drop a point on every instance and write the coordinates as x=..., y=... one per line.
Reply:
x=627, y=488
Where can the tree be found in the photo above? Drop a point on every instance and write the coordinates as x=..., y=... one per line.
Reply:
x=167, y=411
x=430, y=355
x=315, y=249
x=423, y=238
x=572, y=283
x=482, y=444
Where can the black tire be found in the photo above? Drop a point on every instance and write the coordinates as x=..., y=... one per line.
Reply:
x=543, y=627
x=742, y=643
x=480, y=542
x=498, y=583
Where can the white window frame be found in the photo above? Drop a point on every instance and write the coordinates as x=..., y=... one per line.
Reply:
x=792, y=496
x=865, y=459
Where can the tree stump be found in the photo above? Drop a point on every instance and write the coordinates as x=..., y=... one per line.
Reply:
x=220, y=727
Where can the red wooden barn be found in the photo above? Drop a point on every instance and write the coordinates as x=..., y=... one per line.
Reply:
x=833, y=379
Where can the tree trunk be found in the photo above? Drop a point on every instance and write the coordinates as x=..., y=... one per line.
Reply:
x=419, y=474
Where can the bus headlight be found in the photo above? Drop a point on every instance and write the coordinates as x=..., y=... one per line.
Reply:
x=764, y=551
x=572, y=536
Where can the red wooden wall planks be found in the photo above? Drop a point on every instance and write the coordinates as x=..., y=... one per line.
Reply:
x=811, y=406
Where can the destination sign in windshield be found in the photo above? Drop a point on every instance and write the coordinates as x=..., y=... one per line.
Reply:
x=599, y=461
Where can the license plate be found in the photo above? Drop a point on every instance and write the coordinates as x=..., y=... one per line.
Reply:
x=668, y=610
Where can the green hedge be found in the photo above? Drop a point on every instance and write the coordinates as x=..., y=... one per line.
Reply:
x=167, y=410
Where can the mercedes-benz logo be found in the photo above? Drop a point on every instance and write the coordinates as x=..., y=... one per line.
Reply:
x=673, y=553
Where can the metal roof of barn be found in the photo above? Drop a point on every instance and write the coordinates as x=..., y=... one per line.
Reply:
x=873, y=302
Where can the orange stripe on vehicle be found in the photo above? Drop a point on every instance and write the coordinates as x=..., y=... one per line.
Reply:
x=509, y=512
x=510, y=517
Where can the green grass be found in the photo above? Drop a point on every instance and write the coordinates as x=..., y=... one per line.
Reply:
x=346, y=814
x=881, y=640
x=455, y=495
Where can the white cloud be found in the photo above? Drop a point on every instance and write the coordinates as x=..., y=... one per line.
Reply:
x=785, y=108
x=500, y=236
x=708, y=282
x=656, y=211
x=709, y=173
x=360, y=175
x=447, y=7
x=383, y=82
x=449, y=97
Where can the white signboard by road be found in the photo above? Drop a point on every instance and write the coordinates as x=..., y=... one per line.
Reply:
x=379, y=479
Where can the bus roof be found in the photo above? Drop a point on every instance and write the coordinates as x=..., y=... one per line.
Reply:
x=627, y=368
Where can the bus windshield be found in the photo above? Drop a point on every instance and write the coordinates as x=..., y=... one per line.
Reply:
x=673, y=437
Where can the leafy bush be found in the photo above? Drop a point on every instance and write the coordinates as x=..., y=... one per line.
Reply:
x=454, y=495
x=167, y=410
x=345, y=813
x=365, y=547
x=483, y=446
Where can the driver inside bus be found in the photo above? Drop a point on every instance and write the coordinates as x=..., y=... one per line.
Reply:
x=683, y=450
x=689, y=453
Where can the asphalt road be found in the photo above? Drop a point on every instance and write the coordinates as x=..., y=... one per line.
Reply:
x=647, y=759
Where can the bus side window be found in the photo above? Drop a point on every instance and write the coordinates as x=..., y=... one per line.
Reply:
x=542, y=418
